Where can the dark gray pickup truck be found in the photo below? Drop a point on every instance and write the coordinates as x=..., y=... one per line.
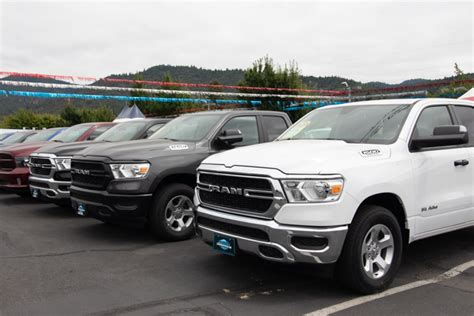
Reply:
x=152, y=181
x=50, y=166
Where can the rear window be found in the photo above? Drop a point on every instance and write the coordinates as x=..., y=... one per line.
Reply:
x=465, y=114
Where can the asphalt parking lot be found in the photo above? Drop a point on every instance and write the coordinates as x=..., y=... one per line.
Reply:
x=54, y=263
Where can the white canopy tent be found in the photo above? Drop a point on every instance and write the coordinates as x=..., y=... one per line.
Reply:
x=129, y=113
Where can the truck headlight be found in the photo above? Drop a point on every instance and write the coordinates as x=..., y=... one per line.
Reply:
x=126, y=171
x=313, y=190
x=21, y=161
x=63, y=163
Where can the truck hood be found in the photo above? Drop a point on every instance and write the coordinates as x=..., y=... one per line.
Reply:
x=303, y=156
x=138, y=149
x=65, y=149
x=23, y=150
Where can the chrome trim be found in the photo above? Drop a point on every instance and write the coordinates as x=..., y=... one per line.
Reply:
x=52, y=166
x=287, y=256
x=278, y=196
x=280, y=237
x=53, y=187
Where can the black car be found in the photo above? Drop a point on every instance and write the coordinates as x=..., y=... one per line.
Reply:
x=50, y=166
x=153, y=181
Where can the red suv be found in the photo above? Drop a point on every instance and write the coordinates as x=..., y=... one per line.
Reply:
x=14, y=171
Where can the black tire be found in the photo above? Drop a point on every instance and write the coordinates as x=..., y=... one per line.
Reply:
x=158, y=224
x=350, y=266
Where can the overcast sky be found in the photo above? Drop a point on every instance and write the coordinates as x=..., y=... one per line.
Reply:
x=369, y=41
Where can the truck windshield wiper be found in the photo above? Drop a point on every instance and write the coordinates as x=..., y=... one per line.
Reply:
x=57, y=141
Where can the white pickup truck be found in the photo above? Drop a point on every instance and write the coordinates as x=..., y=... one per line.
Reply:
x=349, y=184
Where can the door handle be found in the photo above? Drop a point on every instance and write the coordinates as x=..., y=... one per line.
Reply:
x=462, y=162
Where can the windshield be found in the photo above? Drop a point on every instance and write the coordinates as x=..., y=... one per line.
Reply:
x=5, y=136
x=15, y=138
x=376, y=124
x=190, y=128
x=123, y=131
x=41, y=136
x=71, y=134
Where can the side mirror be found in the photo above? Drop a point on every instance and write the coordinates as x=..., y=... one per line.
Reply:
x=449, y=135
x=230, y=136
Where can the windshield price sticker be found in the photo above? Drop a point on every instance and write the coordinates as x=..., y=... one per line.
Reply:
x=179, y=147
x=370, y=152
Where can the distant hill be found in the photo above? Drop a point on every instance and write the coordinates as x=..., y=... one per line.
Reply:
x=189, y=74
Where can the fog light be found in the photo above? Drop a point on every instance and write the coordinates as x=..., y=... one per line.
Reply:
x=309, y=243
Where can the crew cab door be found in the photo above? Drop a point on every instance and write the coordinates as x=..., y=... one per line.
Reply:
x=247, y=125
x=465, y=116
x=443, y=189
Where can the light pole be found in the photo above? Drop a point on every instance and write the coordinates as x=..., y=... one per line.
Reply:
x=348, y=87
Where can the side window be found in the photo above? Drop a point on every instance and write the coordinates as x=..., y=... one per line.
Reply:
x=465, y=114
x=99, y=130
x=274, y=126
x=153, y=129
x=247, y=125
x=430, y=118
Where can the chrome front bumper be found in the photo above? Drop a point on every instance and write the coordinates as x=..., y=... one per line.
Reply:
x=50, y=188
x=279, y=237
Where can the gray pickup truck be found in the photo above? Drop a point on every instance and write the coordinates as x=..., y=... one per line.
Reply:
x=152, y=181
x=50, y=166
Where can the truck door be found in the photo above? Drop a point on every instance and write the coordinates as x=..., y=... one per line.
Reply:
x=247, y=125
x=465, y=116
x=443, y=188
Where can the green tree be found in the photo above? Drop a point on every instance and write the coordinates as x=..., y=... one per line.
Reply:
x=265, y=73
x=458, y=71
x=159, y=108
x=72, y=116
x=454, y=89
x=29, y=119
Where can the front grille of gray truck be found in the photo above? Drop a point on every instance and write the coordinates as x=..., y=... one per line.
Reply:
x=90, y=174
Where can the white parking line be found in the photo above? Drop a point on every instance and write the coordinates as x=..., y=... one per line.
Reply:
x=365, y=299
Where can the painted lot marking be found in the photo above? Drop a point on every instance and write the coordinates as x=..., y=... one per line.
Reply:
x=402, y=288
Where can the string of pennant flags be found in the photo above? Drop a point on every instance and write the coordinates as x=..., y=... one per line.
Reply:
x=157, y=91
x=50, y=95
x=79, y=79
x=90, y=80
x=288, y=102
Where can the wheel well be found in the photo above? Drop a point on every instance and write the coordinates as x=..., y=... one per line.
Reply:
x=188, y=179
x=394, y=204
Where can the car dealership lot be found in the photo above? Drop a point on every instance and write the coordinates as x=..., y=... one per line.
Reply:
x=52, y=262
